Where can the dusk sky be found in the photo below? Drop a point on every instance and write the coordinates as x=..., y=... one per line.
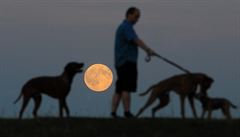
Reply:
x=39, y=37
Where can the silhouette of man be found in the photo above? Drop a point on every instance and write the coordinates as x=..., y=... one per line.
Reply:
x=125, y=61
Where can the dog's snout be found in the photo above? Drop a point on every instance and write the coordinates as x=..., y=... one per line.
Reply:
x=80, y=67
x=81, y=64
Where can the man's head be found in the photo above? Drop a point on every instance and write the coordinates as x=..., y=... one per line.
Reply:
x=133, y=14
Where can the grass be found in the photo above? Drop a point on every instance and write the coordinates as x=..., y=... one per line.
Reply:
x=103, y=127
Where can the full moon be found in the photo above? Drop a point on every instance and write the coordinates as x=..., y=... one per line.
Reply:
x=98, y=77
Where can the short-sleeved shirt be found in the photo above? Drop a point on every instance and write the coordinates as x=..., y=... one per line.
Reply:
x=125, y=47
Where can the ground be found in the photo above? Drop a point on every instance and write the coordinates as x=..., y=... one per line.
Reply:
x=103, y=127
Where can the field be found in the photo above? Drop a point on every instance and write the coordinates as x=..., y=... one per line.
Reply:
x=103, y=127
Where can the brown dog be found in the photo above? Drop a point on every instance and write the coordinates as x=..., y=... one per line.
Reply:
x=57, y=87
x=184, y=85
x=210, y=104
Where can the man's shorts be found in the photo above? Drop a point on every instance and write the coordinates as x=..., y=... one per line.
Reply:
x=127, y=77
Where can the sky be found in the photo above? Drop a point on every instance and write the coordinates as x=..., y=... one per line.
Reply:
x=40, y=37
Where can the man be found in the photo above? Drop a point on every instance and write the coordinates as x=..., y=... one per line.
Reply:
x=126, y=54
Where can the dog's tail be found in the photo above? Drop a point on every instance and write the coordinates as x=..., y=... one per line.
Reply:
x=233, y=106
x=144, y=93
x=19, y=97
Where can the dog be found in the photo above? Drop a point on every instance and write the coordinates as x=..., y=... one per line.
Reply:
x=57, y=87
x=185, y=85
x=210, y=104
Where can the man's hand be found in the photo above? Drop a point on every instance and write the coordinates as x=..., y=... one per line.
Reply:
x=148, y=50
x=151, y=52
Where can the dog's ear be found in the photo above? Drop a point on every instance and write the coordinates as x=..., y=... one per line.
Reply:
x=67, y=67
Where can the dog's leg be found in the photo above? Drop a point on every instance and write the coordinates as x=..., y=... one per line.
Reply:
x=37, y=100
x=151, y=99
x=163, y=102
x=229, y=114
x=24, y=105
x=61, y=108
x=226, y=112
x=182, y=101
x=191, y=101
x=66, y=107
x=209, y=114
x=203, y=113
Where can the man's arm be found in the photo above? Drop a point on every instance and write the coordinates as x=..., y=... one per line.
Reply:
x=142, y=45
x=132, y=36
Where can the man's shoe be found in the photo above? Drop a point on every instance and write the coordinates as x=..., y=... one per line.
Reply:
x=114, y=115
x=128, y=115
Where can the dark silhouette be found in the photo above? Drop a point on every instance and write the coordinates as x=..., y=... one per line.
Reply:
x=210, y=104
x=125, y=59
x=57, y=87
x=185, y=85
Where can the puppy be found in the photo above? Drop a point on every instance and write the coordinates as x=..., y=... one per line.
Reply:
x=210, y=104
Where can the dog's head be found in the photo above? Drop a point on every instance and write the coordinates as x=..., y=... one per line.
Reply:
x=205, y=83
x=200, y=96
x=74, y=67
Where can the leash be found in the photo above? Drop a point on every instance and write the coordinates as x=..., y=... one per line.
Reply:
x=148, y=58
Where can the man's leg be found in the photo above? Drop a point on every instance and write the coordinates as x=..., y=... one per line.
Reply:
x=126, y=100
x=115, y=103
x=126, y=97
